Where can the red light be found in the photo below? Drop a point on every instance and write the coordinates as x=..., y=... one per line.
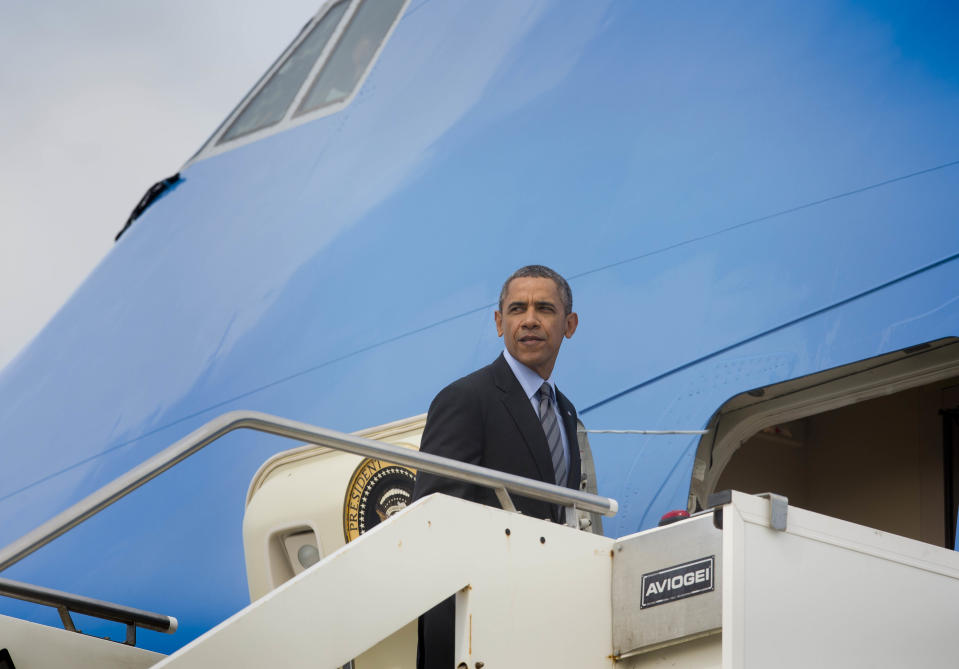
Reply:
x=673, y=516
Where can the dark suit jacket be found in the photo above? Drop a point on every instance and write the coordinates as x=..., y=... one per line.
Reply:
x=486, y=419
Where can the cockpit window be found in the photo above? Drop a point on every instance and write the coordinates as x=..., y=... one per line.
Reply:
x=316, y=76
x=270, y=105
x=352, y=55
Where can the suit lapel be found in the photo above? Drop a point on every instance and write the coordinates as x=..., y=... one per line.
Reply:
x=569, y=422
x=527, y=422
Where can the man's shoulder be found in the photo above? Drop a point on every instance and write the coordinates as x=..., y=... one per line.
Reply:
x=480, y=380
x=465, y=398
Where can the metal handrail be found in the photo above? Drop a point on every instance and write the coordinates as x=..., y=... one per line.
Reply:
x=65, y=603
x=501, y=482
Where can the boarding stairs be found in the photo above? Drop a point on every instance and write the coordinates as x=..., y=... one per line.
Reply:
x=750, y=582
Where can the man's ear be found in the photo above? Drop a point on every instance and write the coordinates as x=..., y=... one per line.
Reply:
x=572, y=320
x=498, y=317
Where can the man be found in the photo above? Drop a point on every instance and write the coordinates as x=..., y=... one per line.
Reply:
x=507, y=416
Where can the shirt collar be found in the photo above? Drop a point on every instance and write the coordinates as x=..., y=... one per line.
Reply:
x=528, y=379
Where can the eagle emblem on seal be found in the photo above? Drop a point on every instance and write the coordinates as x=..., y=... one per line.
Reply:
x=376, y=491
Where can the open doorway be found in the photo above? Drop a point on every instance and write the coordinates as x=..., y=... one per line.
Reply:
x=875, y=443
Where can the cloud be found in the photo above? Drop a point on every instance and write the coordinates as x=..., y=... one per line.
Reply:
x=101, y=99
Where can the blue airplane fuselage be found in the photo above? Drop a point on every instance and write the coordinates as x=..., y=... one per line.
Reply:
x=739, y=194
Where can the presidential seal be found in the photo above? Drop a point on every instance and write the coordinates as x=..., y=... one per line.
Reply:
x=376, y=491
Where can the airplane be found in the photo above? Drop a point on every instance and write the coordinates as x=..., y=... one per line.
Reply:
x=755, y=205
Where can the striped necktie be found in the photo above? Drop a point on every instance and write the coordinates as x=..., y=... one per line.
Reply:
x=553, y=435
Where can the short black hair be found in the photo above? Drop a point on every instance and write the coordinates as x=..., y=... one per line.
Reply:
x=541, y=272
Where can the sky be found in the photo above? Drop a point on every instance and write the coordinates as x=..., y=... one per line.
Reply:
x=101, y=99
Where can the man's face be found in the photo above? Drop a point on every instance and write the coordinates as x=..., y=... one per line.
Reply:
x=533, y=323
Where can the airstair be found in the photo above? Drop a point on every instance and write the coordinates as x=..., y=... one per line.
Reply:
x=750, y=582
